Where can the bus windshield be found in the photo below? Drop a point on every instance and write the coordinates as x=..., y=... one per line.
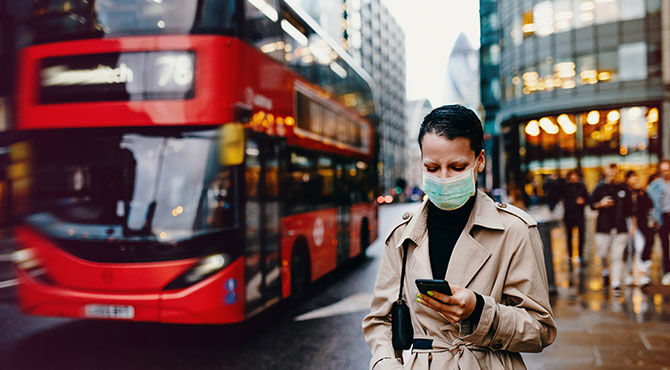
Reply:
x=141, y=185
x=54, y=20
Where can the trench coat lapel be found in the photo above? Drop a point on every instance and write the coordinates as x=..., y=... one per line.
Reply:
x=469, y=255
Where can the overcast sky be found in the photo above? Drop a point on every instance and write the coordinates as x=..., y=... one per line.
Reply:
x=431, y=28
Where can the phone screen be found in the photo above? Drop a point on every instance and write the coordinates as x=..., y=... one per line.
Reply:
x=435, y=285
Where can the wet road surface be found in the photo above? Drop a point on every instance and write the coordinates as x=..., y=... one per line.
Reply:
x=595, y=329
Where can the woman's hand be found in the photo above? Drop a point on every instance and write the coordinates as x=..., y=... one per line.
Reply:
x=454, y=308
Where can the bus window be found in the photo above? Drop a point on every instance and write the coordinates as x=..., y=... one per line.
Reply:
x=253, y=170
x=326, y=180
x=301, y=183
x=262, y=28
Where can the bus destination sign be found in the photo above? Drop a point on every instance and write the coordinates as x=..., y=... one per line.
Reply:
x=117, y=77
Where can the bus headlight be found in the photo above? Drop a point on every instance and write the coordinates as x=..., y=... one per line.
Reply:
x=207, y=267
x=26, y=259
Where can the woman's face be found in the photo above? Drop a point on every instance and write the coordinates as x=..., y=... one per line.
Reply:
x=445, y=158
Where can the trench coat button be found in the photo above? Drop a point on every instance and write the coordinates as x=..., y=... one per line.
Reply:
x=405, y=215
x=502, y=205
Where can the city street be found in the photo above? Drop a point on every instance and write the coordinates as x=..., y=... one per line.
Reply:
x=595, y=330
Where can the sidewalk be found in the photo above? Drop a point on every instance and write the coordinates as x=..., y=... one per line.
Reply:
x=599, y=331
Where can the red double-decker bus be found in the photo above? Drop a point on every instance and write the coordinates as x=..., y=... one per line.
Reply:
x=189, y=161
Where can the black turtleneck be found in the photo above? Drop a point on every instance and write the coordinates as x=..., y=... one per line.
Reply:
x=444, y=228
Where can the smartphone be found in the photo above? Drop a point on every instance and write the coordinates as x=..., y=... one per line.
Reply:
x=435, y=285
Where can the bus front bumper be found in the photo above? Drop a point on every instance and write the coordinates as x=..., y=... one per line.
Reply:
x=218, y=299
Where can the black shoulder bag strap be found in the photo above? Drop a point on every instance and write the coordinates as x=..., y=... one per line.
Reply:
x=402, y=333
x=402, y=273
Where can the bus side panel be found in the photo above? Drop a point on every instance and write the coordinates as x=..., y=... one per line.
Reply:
x=320, y=231
x=358, y=213
x=218, y=299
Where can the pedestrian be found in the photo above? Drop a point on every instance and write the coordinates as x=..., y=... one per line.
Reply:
x=575, y=197
x=659, y=192
x=490, y=254
x=644, y=235
x=614, y=204
x=553, y=188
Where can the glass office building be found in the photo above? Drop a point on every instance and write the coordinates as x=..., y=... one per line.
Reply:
x=581, y=86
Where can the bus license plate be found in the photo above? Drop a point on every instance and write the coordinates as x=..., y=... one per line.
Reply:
x=109, y=311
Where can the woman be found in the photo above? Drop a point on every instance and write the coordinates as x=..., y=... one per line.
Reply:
x=490, y=254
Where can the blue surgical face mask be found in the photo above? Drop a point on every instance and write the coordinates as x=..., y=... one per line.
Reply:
x=451, y=193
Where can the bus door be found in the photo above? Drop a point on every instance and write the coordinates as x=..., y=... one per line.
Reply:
x=262, y=215
x=343, y=200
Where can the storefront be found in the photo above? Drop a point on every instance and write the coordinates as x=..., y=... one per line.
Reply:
x=584, y=141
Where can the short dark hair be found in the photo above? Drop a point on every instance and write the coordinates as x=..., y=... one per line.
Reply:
x=613, y=166
x=630, y=173
x=452, y=121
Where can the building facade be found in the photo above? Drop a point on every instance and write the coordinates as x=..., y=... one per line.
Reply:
x=416, y=110
x=581, y=86
x=375, y=39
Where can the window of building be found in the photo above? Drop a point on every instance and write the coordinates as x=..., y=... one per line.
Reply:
x=633, y=61
x=543, y=15
x=494, y=54
x=608, y=66
x=515, y=31
x=545, y=69
x=607, y=11
x=634, y=130
x=564, y=74
x=632, y=9
x=586, y=66
x=584, y=12
x=527, y=24
x=563, y=15
x=653, y=6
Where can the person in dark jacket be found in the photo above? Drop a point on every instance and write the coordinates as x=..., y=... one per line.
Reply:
x=575, y=197
x=614, y=204
x=642, y=205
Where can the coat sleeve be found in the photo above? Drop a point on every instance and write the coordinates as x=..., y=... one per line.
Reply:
x=524, y=322
x=377, y=324
x=595, y=197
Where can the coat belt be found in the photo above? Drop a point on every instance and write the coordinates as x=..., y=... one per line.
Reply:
x=429, y=353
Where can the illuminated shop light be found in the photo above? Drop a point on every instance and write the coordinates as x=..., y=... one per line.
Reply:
x=528, y=28
x=613, y=116
x=294, y=32
x=586, y=6
x=567, y=125
x=635, y=112
x=266, y=9
x=532, y=128
x=623, y=150
x=593, y=117
x=652, y=116
x=548, y=126
x=604, y=76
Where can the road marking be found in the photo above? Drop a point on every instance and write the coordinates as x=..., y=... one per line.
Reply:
x=645, y=341
x=354, y=303
x=5, y=257
x=8, y=283
x=596, y=355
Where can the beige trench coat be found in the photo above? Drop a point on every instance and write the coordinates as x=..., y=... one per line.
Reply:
x=498, y=255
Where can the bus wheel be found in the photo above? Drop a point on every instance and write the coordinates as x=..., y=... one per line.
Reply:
x=300, y=272
x=365, y=236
